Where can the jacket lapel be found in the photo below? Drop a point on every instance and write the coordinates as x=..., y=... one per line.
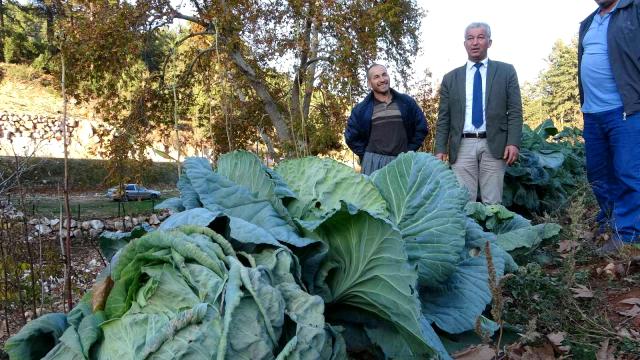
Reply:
x=491, y=74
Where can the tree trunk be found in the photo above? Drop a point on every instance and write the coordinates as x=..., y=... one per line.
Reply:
x=50, y=38
x=176, y=128
x=2, y=31
x=269, y=103
x=67, y=255
x=311, y=72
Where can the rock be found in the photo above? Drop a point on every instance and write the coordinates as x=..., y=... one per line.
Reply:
x=43, y=229
x=94, y=233
x=153, y=219
x=135, y=221
x=54, y=223
x=86, y=225
x=77, y=233
x=109, y=225
x=128, y=224
x=118, y=226
x=34, y=221
x=97, y=225
x=72, y=223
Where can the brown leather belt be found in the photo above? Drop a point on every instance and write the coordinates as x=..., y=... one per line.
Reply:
x=480, y=135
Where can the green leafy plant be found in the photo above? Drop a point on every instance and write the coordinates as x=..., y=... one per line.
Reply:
x=548, y=171
x=309, y=261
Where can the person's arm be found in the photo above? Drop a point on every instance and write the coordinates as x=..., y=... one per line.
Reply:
x=421, y=127
x=354, y=136
x=514, y=118
x=443, y=124
x=514, y=109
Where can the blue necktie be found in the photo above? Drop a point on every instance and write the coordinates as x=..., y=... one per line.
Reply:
x=476, y=104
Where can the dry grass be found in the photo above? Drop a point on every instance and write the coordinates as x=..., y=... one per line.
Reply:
x=25, y=90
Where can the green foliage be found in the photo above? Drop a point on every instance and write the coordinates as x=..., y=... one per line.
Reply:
x=85, y=174
x=549, y=169
x=532, y=293
x=10, y=50
x=514, y=233
x=559, y=84
x=555, y=94
x=334, y=249
x=24, y=33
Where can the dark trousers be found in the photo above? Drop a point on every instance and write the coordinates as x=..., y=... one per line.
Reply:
x=613, y=169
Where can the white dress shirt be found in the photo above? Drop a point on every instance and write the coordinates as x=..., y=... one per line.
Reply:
x=471, y=72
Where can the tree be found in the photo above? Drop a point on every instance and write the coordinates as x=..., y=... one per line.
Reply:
x=559, y=83
x=321, y=45
x=428, y=97
x=533, y=109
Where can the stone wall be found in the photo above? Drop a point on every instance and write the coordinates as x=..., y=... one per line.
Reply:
x=41, y=135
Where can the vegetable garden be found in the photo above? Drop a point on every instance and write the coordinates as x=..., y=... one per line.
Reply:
x=310, y=260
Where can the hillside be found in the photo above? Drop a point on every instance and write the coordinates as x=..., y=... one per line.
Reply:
x=27, y=90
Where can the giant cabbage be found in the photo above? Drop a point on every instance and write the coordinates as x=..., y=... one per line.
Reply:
x=308, y=261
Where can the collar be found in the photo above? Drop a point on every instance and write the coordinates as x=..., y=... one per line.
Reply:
x=484, y=62
x=610, y=12
x=376, y=101
x=370, y=97
x=620, y=5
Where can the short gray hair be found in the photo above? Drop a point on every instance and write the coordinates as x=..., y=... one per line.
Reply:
x=475, y=25
x=371, y=67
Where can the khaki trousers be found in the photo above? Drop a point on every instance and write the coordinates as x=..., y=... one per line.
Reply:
x=477, y=168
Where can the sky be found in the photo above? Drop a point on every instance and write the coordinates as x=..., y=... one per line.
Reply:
x=523, y=32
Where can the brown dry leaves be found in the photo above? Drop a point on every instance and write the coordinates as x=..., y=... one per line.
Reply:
x=100, y=292
x=582, y=291
x=480, y=352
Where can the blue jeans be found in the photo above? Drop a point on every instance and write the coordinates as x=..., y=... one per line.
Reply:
x=613, y=169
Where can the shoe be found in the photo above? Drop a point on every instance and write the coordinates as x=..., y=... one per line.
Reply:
x=610, y=247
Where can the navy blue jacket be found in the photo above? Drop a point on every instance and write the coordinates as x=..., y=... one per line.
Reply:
x=359, y=125
x=623, y=45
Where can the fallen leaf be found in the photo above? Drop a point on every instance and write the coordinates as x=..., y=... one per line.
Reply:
x=101, y=292
x=631, y=301
x=633, y=312
x=624, y=333
x=556, y=338
x=582, y=292
x=544, y=352
x=587, y=235
x=620, y=270
x=605, y=353
x=567, y=245
x=482, y=352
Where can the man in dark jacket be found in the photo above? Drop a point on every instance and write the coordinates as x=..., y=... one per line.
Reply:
x=609, y=82
x=385, y=124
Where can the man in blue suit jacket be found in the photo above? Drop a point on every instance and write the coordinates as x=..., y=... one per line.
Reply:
x=479, y=124
x=385, y=124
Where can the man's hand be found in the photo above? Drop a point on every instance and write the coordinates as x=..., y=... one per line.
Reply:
x=510, y=154
x=442, y=156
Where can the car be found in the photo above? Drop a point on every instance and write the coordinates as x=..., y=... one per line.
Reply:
x=132, y=192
